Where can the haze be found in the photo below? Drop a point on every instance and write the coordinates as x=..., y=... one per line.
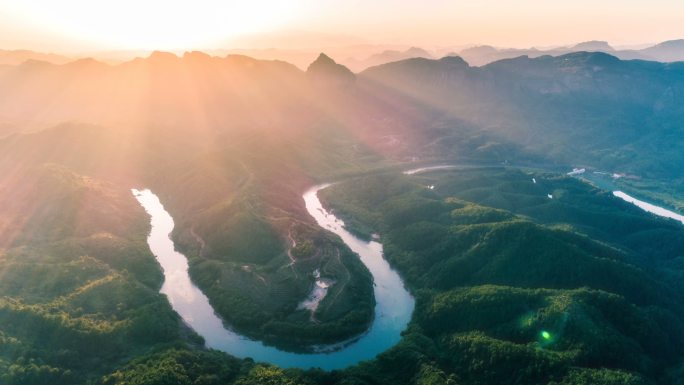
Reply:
x=86, y=26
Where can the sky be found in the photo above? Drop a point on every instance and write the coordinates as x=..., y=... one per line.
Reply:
x=96, y=25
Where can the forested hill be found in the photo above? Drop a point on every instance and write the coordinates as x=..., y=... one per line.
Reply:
x=517, y=288
x=588, y=109
x=582, y=108
x=229, y=145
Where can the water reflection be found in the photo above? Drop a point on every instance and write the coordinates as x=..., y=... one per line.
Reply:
x=394, y=305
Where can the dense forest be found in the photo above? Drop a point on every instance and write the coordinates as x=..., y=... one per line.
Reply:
x=520, y=276
x=511, y=287
x=517, y=287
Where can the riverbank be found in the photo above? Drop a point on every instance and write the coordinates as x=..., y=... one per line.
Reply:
x=394, y=305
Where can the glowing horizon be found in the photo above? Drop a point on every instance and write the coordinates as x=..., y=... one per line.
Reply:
x=82, y=25
x=144, y=25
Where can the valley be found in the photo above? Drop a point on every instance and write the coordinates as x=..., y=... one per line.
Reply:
x=393, y=309
x=505, y=259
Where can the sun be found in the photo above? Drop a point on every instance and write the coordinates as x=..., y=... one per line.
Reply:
x=154, y=24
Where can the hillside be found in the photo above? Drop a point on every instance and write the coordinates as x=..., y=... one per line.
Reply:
x=588, y=109
x=509, y=276
x=229, y=144
x=78, y=285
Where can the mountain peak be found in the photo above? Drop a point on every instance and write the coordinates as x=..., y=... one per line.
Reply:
x=667, y=51
x=324, y=70
x=454, y=61
x=417, y=52
x=322, y=59
x=85, y=63
x=593, y=45
x=35, y=63
x=594, y=57
x=196, y=55
x=679, y=43
x=162, y=56
x=480, y=49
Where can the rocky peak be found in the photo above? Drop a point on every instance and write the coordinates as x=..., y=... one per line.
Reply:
x=326, y=71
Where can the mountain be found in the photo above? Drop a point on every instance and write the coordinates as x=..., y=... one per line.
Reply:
x=551, y=106
x=668, y=51
x=88, y=91
x=481, y=55
x=387, y=56
x=14, y=57
x=299, y=57
x=194, y=128
x=508, y=276
x=594, y=45
x=76, y=268
x=325, y=72
x=592, y=104
x=230, y=143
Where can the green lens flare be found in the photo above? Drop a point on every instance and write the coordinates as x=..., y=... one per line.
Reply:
x=546, y=335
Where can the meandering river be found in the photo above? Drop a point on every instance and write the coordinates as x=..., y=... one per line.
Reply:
x=393, y=309
x=394, y=304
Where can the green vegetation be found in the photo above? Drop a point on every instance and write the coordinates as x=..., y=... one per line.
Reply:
x=253, y=249
x=57, y=208
x=78, y=285
x=177, y=366
x=584, y=108
x=513, y=287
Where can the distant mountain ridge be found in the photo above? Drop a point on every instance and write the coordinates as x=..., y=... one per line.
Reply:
x=549, y=105
x=612, y=111
x=14, y=57
x=386, y=56
x=593, y=45
x=668, y=51
x=672, y=50
x=361, y=57
x=230, y=143
x=90, y=91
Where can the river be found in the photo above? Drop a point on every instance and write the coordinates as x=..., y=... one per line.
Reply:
x=651, y=208
x=393, y=309
x=394, y=304
x=602, y=184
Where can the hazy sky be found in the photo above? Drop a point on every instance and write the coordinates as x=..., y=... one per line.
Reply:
x=81, y=25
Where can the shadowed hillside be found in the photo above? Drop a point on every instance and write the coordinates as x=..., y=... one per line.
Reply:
x=230, y=144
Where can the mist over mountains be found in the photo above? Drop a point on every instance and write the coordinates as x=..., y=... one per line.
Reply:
x=588, y=108
x=668, y=51
x=359, y=56
x=341, y=193
x=230, y=143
